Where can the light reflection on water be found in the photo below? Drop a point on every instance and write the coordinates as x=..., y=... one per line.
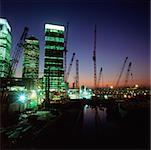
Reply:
x=88, y=117
x=90, y=113
x=94, y=119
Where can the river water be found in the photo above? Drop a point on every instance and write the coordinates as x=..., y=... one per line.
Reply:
x=96, y=122
x=108, y=127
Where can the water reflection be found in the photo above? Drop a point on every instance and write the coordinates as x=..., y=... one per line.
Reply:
x=94, y=120
x=93, y=113
x=99, y=120
x=88, y=121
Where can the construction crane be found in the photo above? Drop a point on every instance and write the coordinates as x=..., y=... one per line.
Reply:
x=77, y=74
x=132, y=77
x=65, y=49
x=99, y=77
x=128, y=73
x=69, y=69
x=94, y=58
x=121, y=72
x=17, y=52
x=14, y=62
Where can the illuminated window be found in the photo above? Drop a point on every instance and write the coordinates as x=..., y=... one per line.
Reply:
x=5, y=46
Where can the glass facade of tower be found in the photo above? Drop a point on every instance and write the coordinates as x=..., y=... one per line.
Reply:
x=5, y=47
x=53, y=63
x=31, y=58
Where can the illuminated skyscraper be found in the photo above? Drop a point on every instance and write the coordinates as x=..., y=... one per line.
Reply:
x=54, y=46
x=31, y=58
x=5, y=46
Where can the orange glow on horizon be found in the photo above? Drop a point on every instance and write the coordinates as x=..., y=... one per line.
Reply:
x=90, y=84
x=106, y=83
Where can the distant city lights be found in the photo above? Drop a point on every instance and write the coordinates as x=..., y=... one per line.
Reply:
x=105, y=96
x=111, y=87
x=125, y=96
x=136, y=85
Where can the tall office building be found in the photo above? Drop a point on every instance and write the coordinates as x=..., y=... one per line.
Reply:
x=53, y=63
x=5, y=47
x=31, y=58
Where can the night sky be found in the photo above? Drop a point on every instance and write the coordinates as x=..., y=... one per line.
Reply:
x=122, y=30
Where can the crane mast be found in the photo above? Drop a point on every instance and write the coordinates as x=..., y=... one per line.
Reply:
x=77, y=74
x=99, y=77
x=17, y=53
x=128, y=73
x=65, y=50
x=121, y=72
x=69, y=69
x=132, y=77
x=94, y=57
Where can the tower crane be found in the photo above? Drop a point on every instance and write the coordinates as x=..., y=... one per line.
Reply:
x=65, y=49
x=99, y=77
x=69, y=69
x=128, y=73
x=17, y=53
x=94, y=57
x=14, y=62
x=121, y=72
x=77, y=74
x=131, y=77
x=15, y=58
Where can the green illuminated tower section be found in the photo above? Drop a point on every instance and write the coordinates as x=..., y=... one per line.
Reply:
x=54, y=46
x=31, y=58
x=5, y=46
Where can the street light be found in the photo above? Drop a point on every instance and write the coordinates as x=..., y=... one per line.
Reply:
x=22, y=99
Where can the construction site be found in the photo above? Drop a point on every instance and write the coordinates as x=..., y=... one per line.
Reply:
x=53, y=86
x=52, y=92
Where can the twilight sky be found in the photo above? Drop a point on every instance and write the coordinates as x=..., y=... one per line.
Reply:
x=122, y=30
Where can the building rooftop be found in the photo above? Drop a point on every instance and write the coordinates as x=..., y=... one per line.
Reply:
x=54, y=26
x=4, y=21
